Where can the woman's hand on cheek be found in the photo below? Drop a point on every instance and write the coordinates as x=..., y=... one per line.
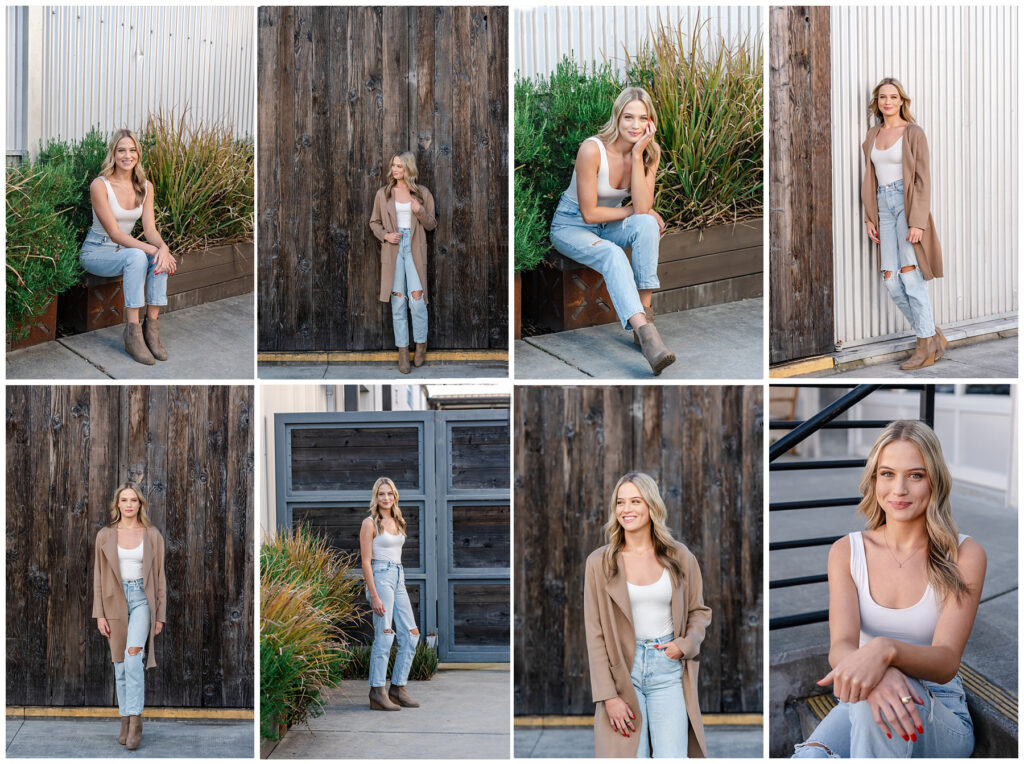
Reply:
x=671, y=651
x=857, y=674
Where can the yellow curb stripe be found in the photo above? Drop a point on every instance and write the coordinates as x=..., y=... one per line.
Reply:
x=99, y=712
x=380, y=356
x=464, y=666
x=556, y=720
x=803, y=366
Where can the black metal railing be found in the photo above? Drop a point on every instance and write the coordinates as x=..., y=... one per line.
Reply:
x=799, y=431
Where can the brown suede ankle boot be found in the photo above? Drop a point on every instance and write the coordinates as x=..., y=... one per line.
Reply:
x=135, y=344
x=123, y=737
x=379, y=700
x=940, y=348
x=398, y=695
x=151, y=333
x=403, y=360
x=134, y=733
x=421, y=354
x=649, y=315
x=923, y=355
x=654, y=350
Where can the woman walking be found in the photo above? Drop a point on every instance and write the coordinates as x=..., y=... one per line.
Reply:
x=897, y=194
x=120, y=196
x=381, y=538
x=403, y=211
x=129, y=601
x=645, y=621
x=592, y=227
x=903, y=595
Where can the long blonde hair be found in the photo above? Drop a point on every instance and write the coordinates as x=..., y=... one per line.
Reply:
x=408, y=160
x=610, y=131
x=664, y=544
x=943, y=540
x=905, y=112
x=395, y=511
x=115, y=511
x=138, y=174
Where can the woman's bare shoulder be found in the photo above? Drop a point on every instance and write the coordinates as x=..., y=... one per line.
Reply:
x=589, y=150
x=368, y=523
x=840, y=549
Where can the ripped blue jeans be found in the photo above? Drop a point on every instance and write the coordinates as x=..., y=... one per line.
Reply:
x=406, y=282
x=850, y=732
x=658, y=681
x=601, y=246
x=907, y=289
x=389, y=581
x=141, y=286
x=130, y=674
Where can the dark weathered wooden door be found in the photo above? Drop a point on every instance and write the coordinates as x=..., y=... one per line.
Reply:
x=452, y=474
x=474, y=534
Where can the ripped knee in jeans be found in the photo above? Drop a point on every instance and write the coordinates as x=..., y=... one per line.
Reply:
x=396, y=294
x=134, y=650
x=810, y=744
x=414, y=631
x=886, y=275
x=418, y=294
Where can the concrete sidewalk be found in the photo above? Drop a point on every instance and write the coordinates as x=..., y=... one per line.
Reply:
x=463, y=715
x=723, y=741
x=210, y=341
x=717, y=342
x=97, y=738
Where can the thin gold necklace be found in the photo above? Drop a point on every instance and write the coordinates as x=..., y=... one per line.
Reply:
x=885, y=537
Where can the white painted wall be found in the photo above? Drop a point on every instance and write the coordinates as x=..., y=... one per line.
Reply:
x=595, y=33
x=70, y=68
x=960, y=67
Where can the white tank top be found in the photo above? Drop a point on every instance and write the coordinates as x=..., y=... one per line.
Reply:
x=606, y=195
x=914, y=624
x=130, y=562
x=651, y=607
x=403, y=211
x=388, y=547
x=889, y=163
x=126, y=219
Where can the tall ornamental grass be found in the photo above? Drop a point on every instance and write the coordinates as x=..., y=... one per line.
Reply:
x=710, y=103
x=309, y=600
x=709, y=100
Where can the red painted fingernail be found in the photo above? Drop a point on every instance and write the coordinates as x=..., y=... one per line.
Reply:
x=906, y=738
x=920, y=729
x=913, y=737
x=888, y=735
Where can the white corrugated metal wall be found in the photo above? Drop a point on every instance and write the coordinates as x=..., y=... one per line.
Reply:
x=596, y=33
x=959, y=66
x=114, y=66
x=17, y=81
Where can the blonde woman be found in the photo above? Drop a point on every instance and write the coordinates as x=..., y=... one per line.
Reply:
x=645, y=621
x=120, y=196
x=903, y=595
x=593, y=227
x=381, y=538
x=403, y=211
x=130, y=601
x=897, y=195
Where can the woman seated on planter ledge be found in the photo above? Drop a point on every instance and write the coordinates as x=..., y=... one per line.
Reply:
x=120, y=196
x=592, y=227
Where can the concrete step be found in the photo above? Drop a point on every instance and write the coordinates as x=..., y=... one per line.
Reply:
x=993, y=710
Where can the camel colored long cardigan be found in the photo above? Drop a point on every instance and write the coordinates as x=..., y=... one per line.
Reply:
x=917, y=195
x=108, y=599
x=385, y=220
x=611, y=642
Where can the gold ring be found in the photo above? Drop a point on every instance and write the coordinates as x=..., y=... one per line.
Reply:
x=906, y=700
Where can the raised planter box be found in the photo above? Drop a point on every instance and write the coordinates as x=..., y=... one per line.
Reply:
x=696, y=269
x=202, y=276
x=43, y=328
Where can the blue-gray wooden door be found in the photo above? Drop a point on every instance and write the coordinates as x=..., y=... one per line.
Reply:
x=452, y=470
